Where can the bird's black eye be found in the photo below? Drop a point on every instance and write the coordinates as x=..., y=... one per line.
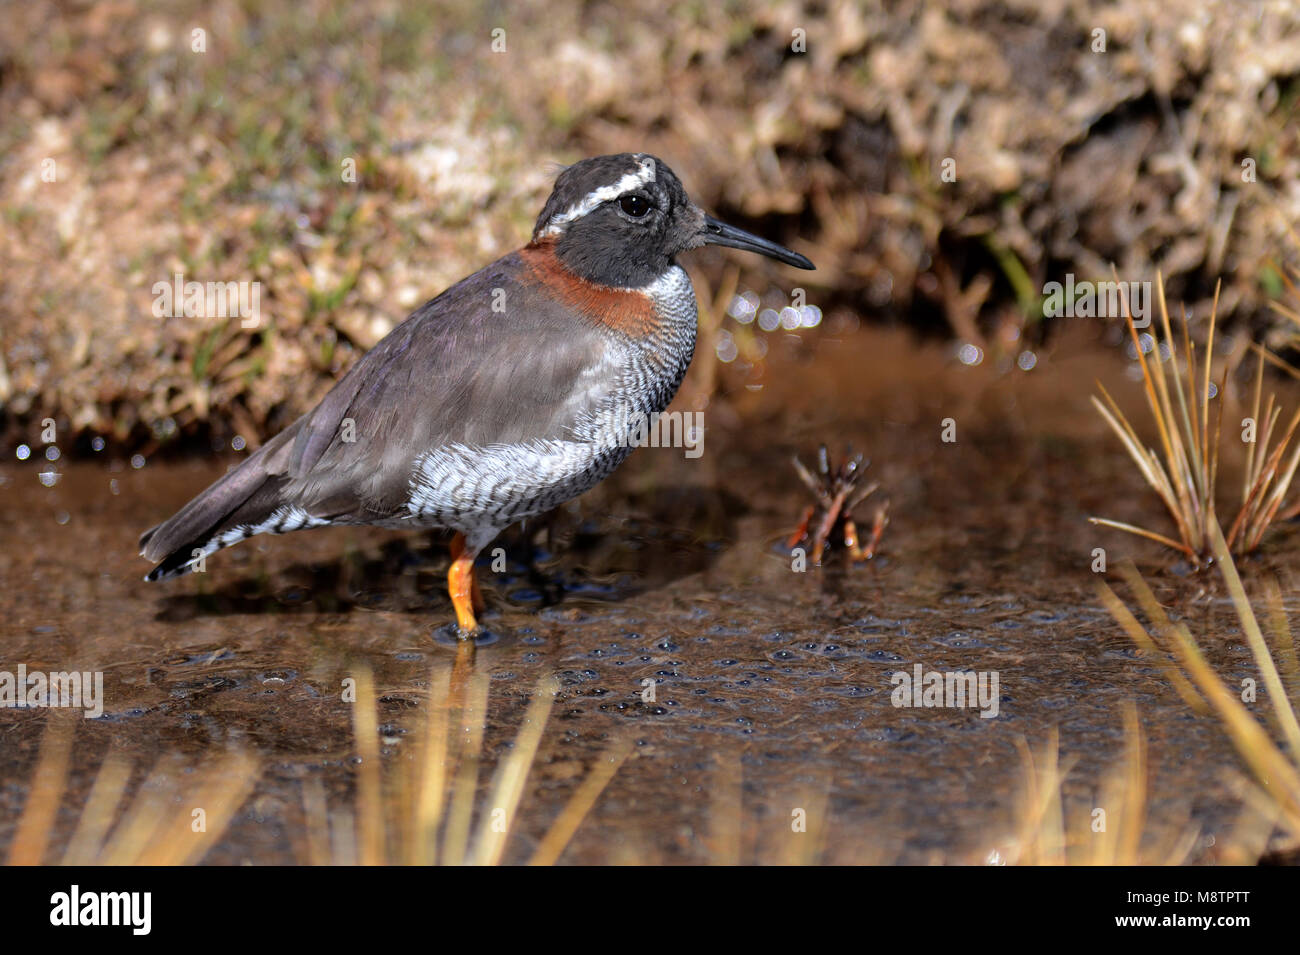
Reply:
x=635, y=206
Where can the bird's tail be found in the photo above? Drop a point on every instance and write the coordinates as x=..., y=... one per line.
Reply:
x=246, y=501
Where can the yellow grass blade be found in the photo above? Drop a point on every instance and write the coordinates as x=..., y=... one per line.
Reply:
x=34, y=826
x=473, y=720
x=1145, y=459
x=1276, y=774
x=1130, y=624
x=1143, y=532
x=101, y=808
x=1255, y=639
x=1284, y=644
x=575, y=811
x=370, y=800
x=1205, y=389
x=431, y=778
x=511, y=775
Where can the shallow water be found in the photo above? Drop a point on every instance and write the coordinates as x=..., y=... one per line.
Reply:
x=772, y=687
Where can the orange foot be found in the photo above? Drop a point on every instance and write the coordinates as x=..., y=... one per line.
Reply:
x=465, y=594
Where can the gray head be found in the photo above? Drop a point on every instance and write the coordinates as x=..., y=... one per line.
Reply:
x=621, y=221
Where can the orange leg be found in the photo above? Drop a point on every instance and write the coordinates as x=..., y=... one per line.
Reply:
x=475, y=594
x=462, y=586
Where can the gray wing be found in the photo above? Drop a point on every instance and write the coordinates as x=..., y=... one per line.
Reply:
x=455, y=372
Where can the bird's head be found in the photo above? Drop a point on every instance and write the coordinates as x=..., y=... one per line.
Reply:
x=621, y=221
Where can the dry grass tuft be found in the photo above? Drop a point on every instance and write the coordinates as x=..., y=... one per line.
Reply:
x=1184, y=472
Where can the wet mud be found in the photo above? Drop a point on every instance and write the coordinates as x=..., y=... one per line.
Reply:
x=772, y=687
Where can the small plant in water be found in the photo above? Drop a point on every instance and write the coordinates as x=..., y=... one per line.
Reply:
x=829, y=521
x=1185, y=470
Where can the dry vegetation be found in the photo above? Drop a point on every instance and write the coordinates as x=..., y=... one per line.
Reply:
x=1184, y=472
x=225, y=165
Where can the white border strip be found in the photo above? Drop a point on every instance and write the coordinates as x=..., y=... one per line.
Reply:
x=633, y=180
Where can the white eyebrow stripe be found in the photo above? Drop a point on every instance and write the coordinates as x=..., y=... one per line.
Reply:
x=633, y=180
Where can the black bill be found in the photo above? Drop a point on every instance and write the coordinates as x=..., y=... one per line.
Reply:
x=719, y=233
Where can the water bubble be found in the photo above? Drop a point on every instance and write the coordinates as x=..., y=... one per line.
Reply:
x=52, y=453
x=137, y=461
x=810, y=316
x=49, y=478
x=62, y=517
x=1145, y=341
x=97, y=443
x=726, y=347
x=970, y=354
x=1026, y=360
x=743, y=307
x=165, y=429
x=791, y=318
x=768, y=319
x=23, y=452
x=237, y=442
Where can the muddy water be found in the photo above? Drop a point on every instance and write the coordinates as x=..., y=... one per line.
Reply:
x=773, y=687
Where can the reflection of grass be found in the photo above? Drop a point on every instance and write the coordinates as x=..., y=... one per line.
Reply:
x=156, y=827
x=424, y=813
x=1276, y=770
x=1115, y=838
x=1185, y=472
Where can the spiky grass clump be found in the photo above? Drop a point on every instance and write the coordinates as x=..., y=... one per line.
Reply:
x=1185, y=471
x=1275, y=769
